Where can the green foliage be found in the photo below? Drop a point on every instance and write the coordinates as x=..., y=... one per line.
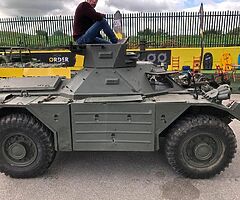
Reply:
x=59, y=39
x=213, y=32
x=41, y=32
x=161, y=32
x=146, y=31
x=33, y=41
x=58, y=33
x=235, y=31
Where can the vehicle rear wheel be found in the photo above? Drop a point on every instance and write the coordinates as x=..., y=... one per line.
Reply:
x=27, y=147
x=200, y=146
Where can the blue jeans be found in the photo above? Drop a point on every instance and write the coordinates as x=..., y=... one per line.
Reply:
x=92, y=34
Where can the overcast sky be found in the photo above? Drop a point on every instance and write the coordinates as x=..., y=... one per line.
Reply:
x=11, y=8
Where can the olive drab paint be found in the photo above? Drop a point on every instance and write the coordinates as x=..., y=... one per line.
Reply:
x=116, y=103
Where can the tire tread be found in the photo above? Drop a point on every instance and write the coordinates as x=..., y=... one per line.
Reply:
x=37, y=129
x=182, y=127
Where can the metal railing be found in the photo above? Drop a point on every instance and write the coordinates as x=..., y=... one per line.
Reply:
x=173, y=29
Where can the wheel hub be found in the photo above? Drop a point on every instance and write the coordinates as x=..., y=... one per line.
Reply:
x=17, y=151
x=203, y=151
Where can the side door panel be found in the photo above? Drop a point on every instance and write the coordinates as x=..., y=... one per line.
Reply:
x=113, y=126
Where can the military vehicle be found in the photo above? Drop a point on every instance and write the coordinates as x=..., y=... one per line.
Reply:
x=115, y=103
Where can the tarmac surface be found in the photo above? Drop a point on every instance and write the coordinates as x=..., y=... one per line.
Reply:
x=121, y=176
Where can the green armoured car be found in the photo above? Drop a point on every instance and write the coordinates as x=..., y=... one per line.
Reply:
x=115, y=103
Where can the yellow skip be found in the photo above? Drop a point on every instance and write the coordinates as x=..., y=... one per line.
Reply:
x=47, y=72
x=11, y=72
x=24, y=72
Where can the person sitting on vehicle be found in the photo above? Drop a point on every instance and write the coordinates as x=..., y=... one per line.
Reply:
x=88, y=23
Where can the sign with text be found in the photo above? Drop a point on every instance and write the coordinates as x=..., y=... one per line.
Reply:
x=56, y=58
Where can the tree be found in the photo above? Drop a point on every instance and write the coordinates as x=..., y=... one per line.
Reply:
x=58, y=33
x=161, y=32
x=235, y=31
x=213, y=32
x=146, y=31
x=42, y=33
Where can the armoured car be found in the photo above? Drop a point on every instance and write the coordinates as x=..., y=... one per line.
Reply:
x=116, y=103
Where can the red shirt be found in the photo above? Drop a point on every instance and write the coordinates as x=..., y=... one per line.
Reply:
x=85, y=16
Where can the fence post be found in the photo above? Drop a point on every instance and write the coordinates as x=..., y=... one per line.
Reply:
x=22, y=43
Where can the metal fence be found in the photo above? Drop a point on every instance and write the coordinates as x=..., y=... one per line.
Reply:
x=174, y=29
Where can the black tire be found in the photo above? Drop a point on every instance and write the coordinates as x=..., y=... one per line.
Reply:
x=200, y=146
x=27, y=147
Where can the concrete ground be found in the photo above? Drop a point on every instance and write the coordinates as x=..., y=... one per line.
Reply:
x=121, y=176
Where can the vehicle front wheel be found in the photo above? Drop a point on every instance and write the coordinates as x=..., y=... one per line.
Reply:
x=27, y=147
x=200, y=146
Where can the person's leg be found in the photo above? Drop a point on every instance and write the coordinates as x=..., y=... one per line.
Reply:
x=99, y=40
x=93, y=32
x=96, y=40
x=108, y=31
x=81, y=40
